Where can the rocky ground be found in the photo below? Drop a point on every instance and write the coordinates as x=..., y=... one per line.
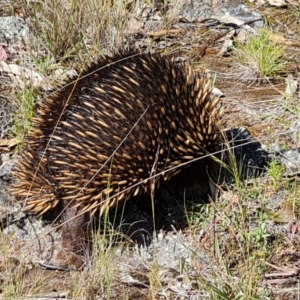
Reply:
x=187, y=257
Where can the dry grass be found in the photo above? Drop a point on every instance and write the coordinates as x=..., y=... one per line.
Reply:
x=65, y=29
x=237, y=234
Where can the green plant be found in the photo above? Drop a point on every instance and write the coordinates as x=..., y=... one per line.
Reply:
x=262, y=55
x=24, y=113
x=295, y=12
x=275, y=171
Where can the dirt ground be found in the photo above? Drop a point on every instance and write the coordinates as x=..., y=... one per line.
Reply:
x=165, y=267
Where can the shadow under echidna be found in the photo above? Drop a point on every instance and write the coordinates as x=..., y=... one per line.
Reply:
x=128, y=123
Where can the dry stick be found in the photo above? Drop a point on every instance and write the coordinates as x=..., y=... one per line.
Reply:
x=202, y=52
x=209, y=43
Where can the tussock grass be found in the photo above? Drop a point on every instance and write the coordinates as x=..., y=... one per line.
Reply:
x=294, y=11
x=22, y=118
x=260, y=55
x=72, y=27
x=67, y=32
x=237, y=249
x=99, y=276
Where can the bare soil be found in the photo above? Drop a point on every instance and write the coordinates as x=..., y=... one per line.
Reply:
x=258, y=105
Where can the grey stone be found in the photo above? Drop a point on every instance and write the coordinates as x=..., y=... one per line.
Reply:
x=13, y=29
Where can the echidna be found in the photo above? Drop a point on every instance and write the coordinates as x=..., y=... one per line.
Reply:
x=127, y=118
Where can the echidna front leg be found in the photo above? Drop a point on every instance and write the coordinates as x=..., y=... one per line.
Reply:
x=74, y=235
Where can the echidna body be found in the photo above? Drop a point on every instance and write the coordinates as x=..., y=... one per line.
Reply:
x=99, y=138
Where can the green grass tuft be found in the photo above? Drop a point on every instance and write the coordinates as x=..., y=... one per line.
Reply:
x=22, y=118
x=263, y=56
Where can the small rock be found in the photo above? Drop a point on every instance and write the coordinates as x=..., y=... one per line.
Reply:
x=278, y=3
x=22, y=76
x=13, y=28
x=291, y=159
x=61, y=74
x=291, y=86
